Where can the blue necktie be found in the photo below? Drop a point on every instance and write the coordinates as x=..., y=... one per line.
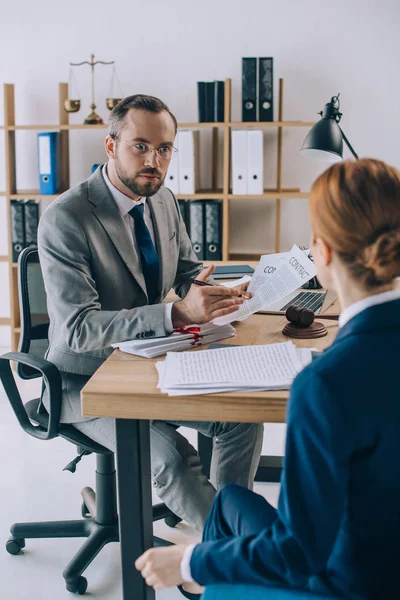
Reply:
x=148, y=253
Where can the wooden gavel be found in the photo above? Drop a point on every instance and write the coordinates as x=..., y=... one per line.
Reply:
x=304, y=317
x=301, y=323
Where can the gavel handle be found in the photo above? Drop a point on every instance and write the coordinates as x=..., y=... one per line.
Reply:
x=330, y=317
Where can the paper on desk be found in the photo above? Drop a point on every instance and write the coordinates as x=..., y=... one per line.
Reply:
x=294, y=270
x=272, y=366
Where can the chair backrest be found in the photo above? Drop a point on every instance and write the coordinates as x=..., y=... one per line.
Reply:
x=33, y=310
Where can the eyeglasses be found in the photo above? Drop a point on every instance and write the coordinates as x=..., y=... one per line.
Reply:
x=141, y=149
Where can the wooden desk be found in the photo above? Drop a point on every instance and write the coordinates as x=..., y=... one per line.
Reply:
x=125, y=388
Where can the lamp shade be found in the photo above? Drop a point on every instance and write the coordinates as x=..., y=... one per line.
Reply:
x=324, y=141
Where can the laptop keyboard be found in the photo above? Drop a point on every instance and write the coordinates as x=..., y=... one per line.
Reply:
x=311, y=300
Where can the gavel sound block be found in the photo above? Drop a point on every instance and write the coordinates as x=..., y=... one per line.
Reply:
x=302, y=325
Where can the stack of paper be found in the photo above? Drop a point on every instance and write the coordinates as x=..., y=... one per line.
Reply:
x=185, y=338
x=240, y=368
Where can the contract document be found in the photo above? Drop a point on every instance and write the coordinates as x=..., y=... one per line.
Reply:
x=288, y=272
x=250, y=368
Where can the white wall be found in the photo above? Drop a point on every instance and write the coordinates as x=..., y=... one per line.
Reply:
x=164, y=47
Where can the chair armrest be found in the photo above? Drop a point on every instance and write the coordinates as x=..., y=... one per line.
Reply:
x=51, y=380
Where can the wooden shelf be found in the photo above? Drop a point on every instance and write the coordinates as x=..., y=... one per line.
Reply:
x=240, y=124
x=69, y=127
x=195, y=125
x=220, y=161
x=202, y=195
x=270, y=195
x=33, y=195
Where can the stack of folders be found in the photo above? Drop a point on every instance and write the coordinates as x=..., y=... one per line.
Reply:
x=240, y=368
x=183, y=171
x=258, y=89
x=203, y=220
x=182, y=339
x=247, y=162
x=210, y=101
x=24, y=216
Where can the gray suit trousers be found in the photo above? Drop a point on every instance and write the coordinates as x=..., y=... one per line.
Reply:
x=176, y=470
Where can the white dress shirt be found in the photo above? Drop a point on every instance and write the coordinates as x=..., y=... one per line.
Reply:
x=348, y=313
x=356, y=308
x=125, y=204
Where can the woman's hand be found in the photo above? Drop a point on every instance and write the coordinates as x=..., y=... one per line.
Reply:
x=161, y=567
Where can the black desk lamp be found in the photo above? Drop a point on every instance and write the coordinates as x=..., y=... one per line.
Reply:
x=324, y=141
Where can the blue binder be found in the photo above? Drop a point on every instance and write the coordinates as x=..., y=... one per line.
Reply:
x=48, y=162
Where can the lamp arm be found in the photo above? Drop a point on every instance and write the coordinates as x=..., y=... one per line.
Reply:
x=348, y=143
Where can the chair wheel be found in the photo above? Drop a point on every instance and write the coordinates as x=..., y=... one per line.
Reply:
x=14, y=546
x=172, y=520
x=77, y=586
x=85, y=511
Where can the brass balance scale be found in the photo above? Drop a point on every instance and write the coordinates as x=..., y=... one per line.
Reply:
x=73, y=105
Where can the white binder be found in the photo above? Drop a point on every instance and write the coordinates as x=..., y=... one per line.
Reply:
x=172, y=177
x=188, y=161
x=239, y=161
x=255, y=162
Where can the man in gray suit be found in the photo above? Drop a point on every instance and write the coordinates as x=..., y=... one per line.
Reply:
x=110, y=249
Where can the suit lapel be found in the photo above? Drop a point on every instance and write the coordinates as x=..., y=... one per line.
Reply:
x=107, y=213
x=161, y=233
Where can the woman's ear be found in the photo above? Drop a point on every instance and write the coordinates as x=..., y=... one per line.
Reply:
x=322, y=252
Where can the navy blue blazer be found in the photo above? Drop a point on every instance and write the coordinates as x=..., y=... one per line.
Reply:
x=337, y=526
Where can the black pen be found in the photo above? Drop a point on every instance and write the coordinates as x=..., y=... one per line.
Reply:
x=241, y=295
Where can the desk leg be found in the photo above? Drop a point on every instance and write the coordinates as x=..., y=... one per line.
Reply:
x=135, y=504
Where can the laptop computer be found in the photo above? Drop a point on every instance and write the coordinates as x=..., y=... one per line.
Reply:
x=317, y=301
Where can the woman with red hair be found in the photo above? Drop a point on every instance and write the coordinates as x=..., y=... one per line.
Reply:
x=337, y=527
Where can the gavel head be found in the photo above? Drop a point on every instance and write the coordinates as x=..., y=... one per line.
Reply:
x=302, y=317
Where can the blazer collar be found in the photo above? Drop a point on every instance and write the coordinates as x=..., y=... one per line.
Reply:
x=381, y=317
x=107, y=212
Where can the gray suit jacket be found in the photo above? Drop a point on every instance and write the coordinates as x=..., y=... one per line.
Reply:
x=96, y=292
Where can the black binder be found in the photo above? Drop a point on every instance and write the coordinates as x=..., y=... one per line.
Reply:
x=249, y=89
x=265, y=89
x=201, y=100
x=213, y=222
x=219, y=96
x=31, y=222
x=210, y=95
x=196, y=226
x=183, y=207
x=17, y=212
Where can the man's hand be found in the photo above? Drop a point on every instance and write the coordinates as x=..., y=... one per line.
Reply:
x=161, y=567
x=205, y=303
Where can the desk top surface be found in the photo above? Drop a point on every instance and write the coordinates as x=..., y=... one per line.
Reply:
x=125, y=386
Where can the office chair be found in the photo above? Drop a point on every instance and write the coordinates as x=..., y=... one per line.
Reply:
x=99, y=510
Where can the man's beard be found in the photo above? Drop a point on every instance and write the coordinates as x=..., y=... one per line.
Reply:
x=146, y=189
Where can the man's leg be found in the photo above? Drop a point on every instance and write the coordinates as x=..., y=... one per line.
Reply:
x=236, y=451
x=237, y=511
x=175, y=465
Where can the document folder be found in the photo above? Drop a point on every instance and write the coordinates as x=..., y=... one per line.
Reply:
x=255, y=164
x=249, y=89
x=239, y=161
x=196, y=227
x=188, y=161
x=31, y=222
x=48, y=162
x=213, y=242
x=172, y=178
x=17, y=214
x=265, y=89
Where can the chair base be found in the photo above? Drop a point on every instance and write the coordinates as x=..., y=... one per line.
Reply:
x=100, y=525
